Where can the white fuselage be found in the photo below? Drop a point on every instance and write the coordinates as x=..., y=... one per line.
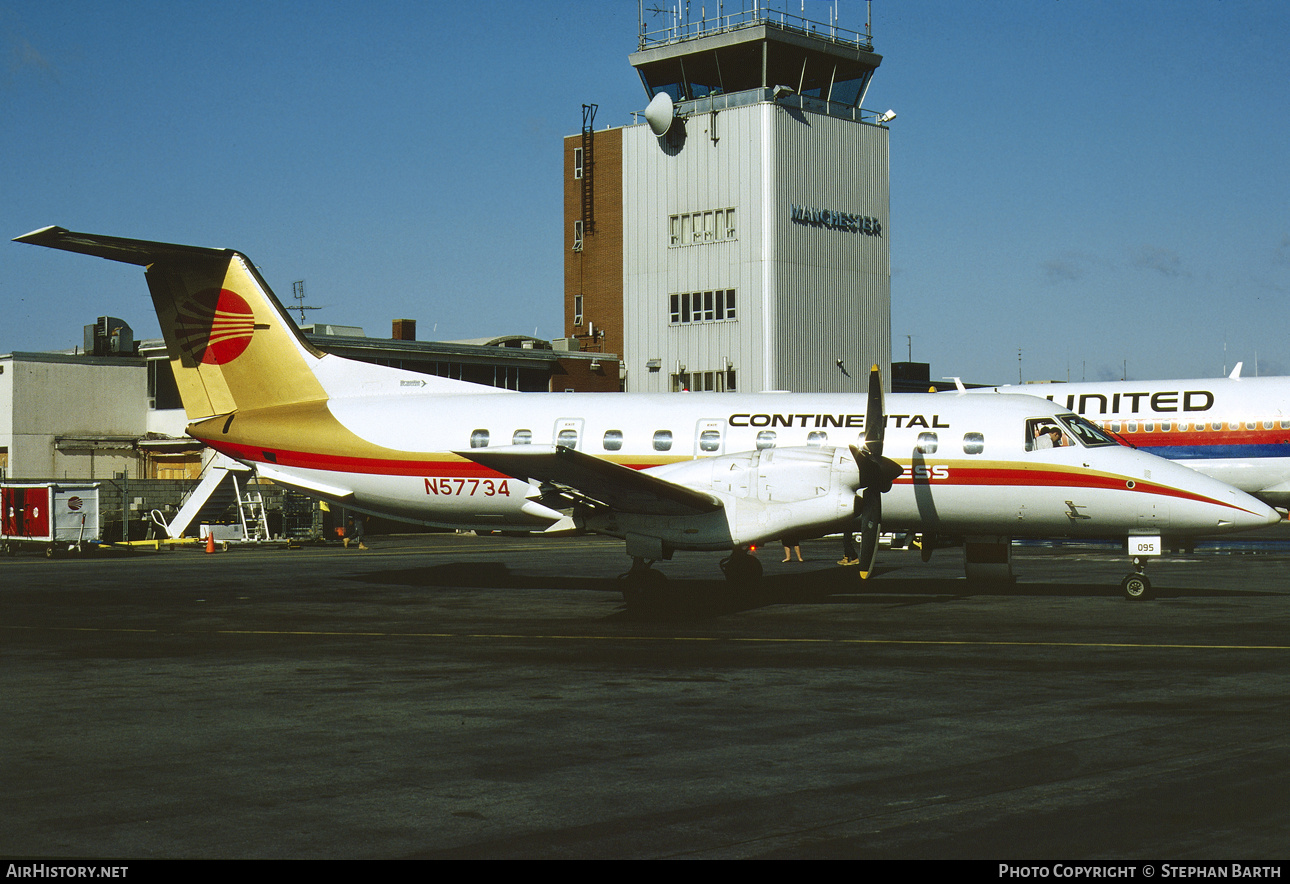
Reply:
x=780, y=465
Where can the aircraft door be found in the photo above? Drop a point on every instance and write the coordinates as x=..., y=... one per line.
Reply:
x=568, y=432
x=709, y=437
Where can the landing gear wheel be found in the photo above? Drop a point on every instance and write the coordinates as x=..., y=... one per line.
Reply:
x=1136, y=587
x=641, y=586
x=740, y=567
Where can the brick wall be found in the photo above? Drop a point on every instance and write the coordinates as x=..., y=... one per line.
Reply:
x=596, y=272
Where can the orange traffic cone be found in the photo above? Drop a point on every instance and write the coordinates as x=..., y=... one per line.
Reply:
x=210, y=542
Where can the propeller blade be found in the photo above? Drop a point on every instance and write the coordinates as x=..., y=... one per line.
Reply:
x=875, y=420
x=877, y=473
x=870, y=522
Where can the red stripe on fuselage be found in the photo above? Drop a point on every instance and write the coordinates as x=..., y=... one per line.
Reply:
x=1053, y=478
x=959, y=476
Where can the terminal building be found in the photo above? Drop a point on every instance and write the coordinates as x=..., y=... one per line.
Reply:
x=737, y=238
x=113, y=407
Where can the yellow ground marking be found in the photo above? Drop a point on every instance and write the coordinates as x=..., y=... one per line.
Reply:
x=511, y=636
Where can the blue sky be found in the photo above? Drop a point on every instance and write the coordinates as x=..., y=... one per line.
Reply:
x=1101, y=185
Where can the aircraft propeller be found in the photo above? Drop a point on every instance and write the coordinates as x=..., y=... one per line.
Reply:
x=876, y=474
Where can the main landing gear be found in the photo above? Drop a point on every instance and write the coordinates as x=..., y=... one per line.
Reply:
x=646, y=590
x=642, y=575
x=741, y=566
x=641, y=585
x=1136, y=587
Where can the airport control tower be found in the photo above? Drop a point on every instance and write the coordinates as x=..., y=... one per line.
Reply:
x=735, y=237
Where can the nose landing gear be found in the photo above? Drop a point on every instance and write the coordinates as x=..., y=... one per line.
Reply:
x=1136, y=587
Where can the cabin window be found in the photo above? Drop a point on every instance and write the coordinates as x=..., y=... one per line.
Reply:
x=710, y=440
x=1267, y=425
x=613, y=440
x=662, y=440
x=1285, y=424
x=927, y=443
x=479, y=439
x=816, y=438
x=522, y=437
x=973, y=443
x=765, y=439
x=1115, y=426
x=567, y=438
x=1166, y=426
x=1149, y=427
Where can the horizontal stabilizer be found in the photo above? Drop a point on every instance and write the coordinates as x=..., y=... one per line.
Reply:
x=308, y=486
x=115, y=248
x=616, y=486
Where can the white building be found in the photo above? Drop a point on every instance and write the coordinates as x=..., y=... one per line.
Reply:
x=66, y=416
x=747, y=247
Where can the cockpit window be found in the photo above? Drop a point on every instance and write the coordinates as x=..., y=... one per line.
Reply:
x=1086, y=433
x=1045, y=432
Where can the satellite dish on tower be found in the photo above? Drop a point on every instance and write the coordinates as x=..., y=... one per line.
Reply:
x=660, y=114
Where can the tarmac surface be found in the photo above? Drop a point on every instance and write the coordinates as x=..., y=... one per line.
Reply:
x=452, y=696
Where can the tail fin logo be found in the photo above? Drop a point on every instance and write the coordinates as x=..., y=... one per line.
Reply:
x=215, y=326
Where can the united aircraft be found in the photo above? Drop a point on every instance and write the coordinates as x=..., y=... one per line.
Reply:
x=663, y=472
x=1235, y=429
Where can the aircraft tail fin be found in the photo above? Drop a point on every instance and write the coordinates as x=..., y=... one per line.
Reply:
x=232, y=345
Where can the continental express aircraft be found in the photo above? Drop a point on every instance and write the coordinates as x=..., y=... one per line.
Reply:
x=1235, y=429
x=664, y=472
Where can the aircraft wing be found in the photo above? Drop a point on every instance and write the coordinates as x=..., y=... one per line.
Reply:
x=622, y=488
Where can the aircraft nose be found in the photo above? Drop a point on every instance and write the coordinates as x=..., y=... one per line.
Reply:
x=1249, y=512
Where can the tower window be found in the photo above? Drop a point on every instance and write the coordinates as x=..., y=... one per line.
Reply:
x=696, y=228
x=713, y=306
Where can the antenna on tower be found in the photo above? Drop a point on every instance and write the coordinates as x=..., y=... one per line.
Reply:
x=298, y=293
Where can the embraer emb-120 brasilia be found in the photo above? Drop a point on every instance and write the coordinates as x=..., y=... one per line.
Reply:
x=664, y=472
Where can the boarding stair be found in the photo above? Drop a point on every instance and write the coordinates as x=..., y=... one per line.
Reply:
x=222, y=500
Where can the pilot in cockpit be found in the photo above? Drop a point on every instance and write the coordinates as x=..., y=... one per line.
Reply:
x=1048, y=435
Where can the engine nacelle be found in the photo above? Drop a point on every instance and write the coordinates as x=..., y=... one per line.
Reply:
x=776, y=492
